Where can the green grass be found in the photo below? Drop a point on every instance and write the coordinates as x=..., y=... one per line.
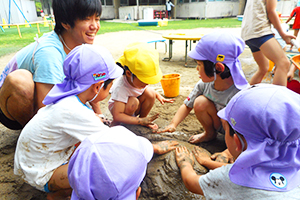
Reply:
x=10, y=41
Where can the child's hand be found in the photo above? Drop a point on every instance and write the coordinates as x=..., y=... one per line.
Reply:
x=171, y=128
x=183, y=157
x=163, y=100
x=201, y=156
x=164, y=146
x=145, y=121
x=287, y=38
x=224, y=157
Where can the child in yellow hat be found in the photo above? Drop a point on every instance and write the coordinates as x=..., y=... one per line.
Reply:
x=131, y=98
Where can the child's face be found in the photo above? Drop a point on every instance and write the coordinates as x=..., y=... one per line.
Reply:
x=103, y=93
x=229, y=140
x=135, y=82
x=202, y=74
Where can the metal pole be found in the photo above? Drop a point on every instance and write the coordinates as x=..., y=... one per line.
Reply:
x=137, y=12
x=9, y=11
x=21, y=12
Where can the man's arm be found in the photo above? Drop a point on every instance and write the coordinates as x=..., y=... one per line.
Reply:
x=42, y=90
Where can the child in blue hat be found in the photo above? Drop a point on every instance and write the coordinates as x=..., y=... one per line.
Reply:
x=262, y=133
x=221, y=76
x=47, y=141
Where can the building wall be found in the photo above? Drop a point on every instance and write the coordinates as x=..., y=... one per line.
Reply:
x=26, y=6
x=108, y=12
x=212, y=10
x=132, y=11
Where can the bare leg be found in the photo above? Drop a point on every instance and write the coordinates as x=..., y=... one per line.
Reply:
x=206, y=113
x=273, y=51
x=17, y=100
x=147, y=100
x=263, y=66
x=59, y=184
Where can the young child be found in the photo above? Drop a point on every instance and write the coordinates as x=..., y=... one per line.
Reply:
x=296, y=26
x=47, y=141
x=221, y=76
x=256, y=31
x=263, y=135
x=112, y=165
x=130, y=95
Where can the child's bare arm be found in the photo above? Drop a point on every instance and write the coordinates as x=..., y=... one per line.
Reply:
x=185, y=162
x=164, y=146
x=162, y=100
x=180, y=115
x=274, y=19
x=120, y=116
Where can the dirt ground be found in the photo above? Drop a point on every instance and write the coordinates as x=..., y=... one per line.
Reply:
x=163, y=179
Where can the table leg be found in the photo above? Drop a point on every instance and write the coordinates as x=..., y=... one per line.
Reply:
x=186, y=47
x=170, y=51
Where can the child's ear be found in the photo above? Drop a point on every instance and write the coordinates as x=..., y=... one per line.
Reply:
x=128, y=73
x=238, y=143
x=220, y=67
x=97, y=86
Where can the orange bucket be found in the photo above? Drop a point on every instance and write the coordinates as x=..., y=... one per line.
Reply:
x=170, y=84
x=296, y=61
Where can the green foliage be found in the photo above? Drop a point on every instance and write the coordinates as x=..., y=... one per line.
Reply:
x=38, y=6
x=10, y=41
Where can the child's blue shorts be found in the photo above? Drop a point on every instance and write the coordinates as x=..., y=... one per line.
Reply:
x=255, y=43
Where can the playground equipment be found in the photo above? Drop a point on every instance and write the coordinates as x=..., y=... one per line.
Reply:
x=9, y=13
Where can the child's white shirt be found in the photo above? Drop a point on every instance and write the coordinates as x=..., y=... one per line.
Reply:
x=122, y=90
x=48, y=139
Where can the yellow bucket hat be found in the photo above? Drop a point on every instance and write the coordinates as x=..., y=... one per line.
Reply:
x=143, y=61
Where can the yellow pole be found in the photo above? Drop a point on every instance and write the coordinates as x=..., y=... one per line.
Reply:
x=19, y=31
x=38, y=27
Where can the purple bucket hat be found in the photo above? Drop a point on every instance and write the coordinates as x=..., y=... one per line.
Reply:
x=109, y=165
x=268, y=117
x=84, y=65
x=225, y=48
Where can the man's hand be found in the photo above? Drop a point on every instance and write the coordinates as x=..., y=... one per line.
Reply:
x=164, y=146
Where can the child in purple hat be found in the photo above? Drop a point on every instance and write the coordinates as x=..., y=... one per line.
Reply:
x=47, y=141
x=112, y=165
x=263, y=135
x=221, y=76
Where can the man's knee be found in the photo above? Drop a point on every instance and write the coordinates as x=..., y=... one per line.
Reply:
x=20, y=82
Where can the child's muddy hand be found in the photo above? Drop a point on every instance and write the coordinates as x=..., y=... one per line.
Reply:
x=164, y=146
x=224, y=157
x=201, y=155
x=148, y=120
x=169, y=128
x=183, y=157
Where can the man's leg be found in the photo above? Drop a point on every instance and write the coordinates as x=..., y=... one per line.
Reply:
x=17, y=96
